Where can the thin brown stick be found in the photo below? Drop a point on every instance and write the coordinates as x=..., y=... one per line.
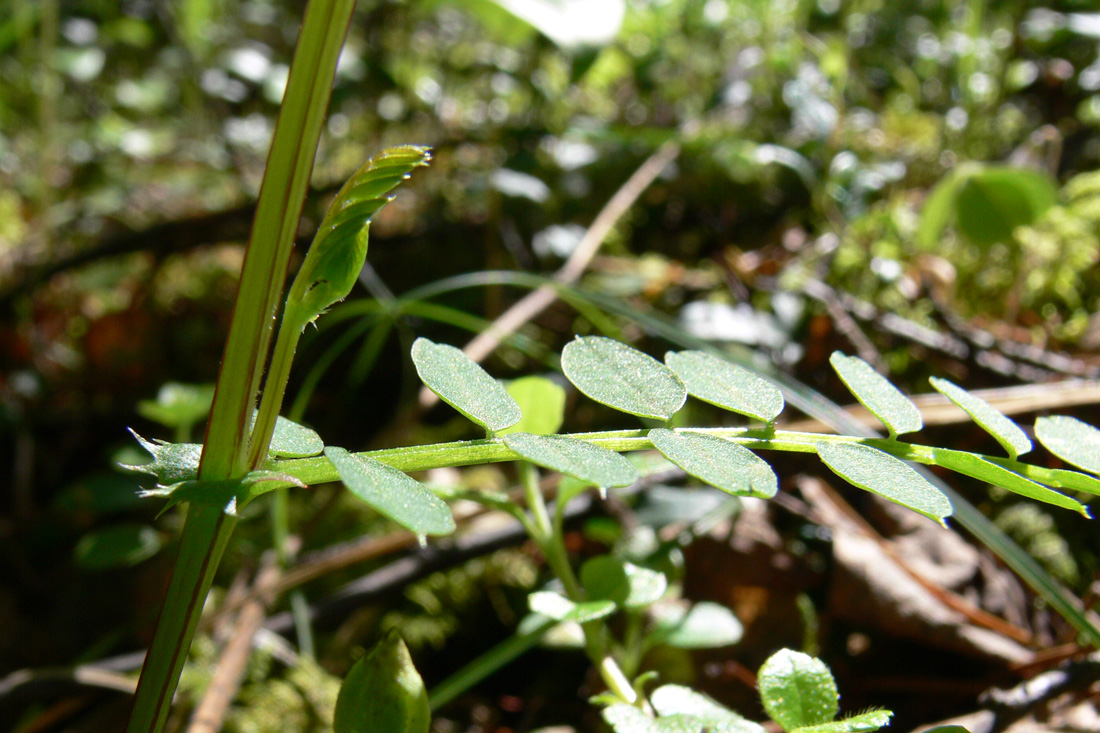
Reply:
x=541, y=298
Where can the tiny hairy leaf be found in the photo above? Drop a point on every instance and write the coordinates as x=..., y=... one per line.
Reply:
x=679, y=700
x=464, y=385
x=979, y=468
x=383, y=692
x=880, y=473
x=394, y=494
x=885, y=401
x=860, y=723
x=576, y=458
x=117, y=546
x=542, y=403
x=621, y=377
x=721, y=463
x=631, y=587
x=1007, y=432
x=729, y=386
x=797, y=690
x=558, y=607
x=705, y=625
x=1075, y=442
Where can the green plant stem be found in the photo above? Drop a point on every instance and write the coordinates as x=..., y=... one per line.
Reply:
x=274, y=388
x=286, y=178
x=552, y=544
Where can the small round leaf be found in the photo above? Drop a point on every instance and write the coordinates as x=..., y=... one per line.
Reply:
x=464, y=385
x=880, y=473
x=575, y=458
x=726, y=385
x=1075, y=442
x=399, y=497
x=896, y=411
x=1007, y=433
x=542, y=403
x=721, y=463
x=616, y=375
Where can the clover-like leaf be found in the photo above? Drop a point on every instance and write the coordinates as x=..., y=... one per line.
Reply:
x=464, y=385
x=729, y=386
x=797, y=690
x=979, y=468
x=616, y=375
x=558, y=607
x=383, y=692
x=705, y=625
x=542, y=403
x=630, y=586
x=865, y=722
x=1075, y=442
x=880, y=473
x=576, y=458
x=896, y=411
x=1007, y=432
x=721, y=463
x=291, y=440
x=394, y=494
x=679, y=700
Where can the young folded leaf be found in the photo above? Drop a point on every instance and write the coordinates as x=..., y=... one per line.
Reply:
x=576, y=458
x=399, y=497
x=1007, y=433
x=724, y=465
x=383, y=692
x=616, y=375
x=714, y=380
x=464, y=385
x=896, y=411
x=1073, y=441
x=880, y=473
x=977, y=467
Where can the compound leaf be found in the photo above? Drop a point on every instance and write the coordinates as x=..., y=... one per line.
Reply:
x=464, y=385
x=729, y=386
x=896, y=411
x=880, y=473
x=721, y=463
x=399, y=497
x=616, y=375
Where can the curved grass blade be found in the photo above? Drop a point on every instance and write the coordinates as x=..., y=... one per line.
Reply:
x=885, y=401
x=464, y=385
x=726, y=385
x=1075, y=442
x=1007, y=432
x=576, y=458
x=399, y=497
x=977, y=467
x=880, y=473
x=724, y=465
x=616, y=375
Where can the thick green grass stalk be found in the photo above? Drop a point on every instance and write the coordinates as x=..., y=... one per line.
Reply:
x=286, y=179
